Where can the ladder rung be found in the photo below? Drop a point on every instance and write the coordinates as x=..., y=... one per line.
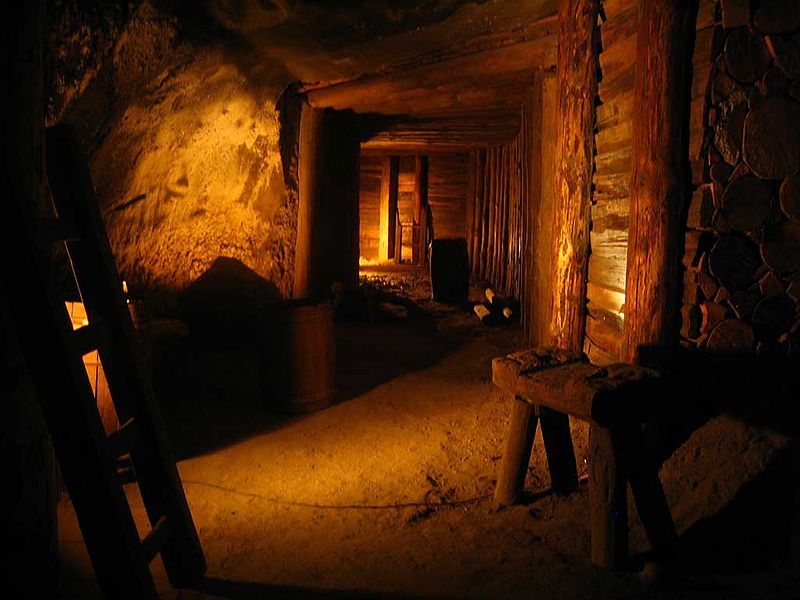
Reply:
x=125, y=473
x=152, y=542
x=51, y=231
x=89, y=337
x=121, y=441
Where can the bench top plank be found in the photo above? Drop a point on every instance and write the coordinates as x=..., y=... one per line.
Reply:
x=567, y=382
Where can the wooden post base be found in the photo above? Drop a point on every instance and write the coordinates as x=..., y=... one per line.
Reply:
x=519, y=443
x=653, y=510
x=517, y=454
x=560, y=451
x=608, y=502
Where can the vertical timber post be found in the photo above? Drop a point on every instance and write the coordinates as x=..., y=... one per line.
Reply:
x=420, y=209
x=388, y=208
x=659, y=175
x=542, y=205
x=469, y=206
x=562, y=286
x=309, y=173
x=327, y=221
x=575, y=112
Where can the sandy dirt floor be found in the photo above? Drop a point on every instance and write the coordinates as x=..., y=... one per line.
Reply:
x=386, y=494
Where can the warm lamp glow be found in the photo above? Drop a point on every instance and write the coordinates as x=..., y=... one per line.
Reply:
x=94, y=370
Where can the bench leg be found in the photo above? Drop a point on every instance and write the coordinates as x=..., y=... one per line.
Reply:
x=560, y=452
x=651, y=504
x=608, y=505
x=517, y=454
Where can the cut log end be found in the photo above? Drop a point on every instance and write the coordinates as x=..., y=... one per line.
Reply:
x=771, y=138
x=734, y=261
x=746, y=204
x=732, y=337
x=790, y=198
x=780, y=248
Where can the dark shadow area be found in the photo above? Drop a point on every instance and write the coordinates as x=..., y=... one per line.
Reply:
x=76, y=575
x=210, y=397
x=755, y=531
x=397, y=342
x=751, y=547
x=244, y=590
x=697, y=387
x=206, y=367
x=209, y=368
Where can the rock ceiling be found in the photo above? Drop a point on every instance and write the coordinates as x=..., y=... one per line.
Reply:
x=454, y=73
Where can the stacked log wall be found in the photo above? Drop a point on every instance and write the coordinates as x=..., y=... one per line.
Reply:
x=742, y=279
x=611, y=181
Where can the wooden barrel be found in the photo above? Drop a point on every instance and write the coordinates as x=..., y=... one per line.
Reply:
x=299, y=367
x=450, y=270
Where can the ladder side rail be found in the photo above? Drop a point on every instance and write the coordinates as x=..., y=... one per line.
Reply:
x=124, y=367
x=65, y=395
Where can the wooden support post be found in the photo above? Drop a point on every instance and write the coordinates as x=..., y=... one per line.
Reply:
x=559, y=449
x=419, y=242
x=576, y=91
x=660, y=170
x=648, y=495
x=540, y=253
x=486, y=212
x=327, y=221
x=469, y=205
x=477, y=212
x=501, y=217
x=491, y=223
x=310, y=172
x=608, y=506
x=517, y=453
x=398, y=240
x=388, y=208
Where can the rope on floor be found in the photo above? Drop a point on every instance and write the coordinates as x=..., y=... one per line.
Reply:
x=450, y=503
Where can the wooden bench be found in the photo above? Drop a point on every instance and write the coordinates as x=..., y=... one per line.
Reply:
x=549, y=384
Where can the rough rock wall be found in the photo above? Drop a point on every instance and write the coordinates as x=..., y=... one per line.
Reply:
x=81, y=35
x=192, y=171
x=742, y=284
x=185, y=153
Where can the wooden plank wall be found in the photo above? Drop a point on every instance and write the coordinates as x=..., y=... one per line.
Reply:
x=447, y=193
x=610, y=202
x=369, y=205
x=613, y=141
x=499, y=191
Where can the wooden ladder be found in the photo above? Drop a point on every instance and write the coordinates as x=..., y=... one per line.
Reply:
x=53, y=351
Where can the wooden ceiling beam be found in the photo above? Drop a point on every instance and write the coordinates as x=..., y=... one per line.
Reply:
x=469, y=131
x=472, y=30
x=413, y=149
x=498, y=77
